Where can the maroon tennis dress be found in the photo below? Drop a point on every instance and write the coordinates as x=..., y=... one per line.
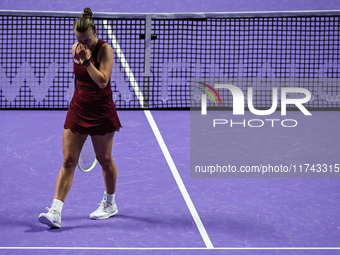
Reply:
x=92, y=110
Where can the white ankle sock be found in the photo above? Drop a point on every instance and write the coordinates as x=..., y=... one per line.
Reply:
x=109, y=198
x=57, y=204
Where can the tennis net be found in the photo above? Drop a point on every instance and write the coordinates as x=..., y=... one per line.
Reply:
x=159, y=56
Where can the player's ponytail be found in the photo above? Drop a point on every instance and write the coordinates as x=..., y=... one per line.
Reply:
x=87, y=13
x=85, y=22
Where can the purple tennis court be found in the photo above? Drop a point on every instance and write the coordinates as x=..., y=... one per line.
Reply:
x=236, y=213
x=165, y=207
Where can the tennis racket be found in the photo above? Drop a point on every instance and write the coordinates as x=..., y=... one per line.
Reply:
x=87, y=159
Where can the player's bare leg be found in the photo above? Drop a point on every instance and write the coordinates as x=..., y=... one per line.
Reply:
x=103, y=148
x=72, y=144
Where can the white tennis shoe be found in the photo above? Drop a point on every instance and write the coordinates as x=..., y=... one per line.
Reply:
x=52, y=218
x=104, y=211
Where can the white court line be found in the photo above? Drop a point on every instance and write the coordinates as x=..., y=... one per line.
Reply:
x=169, y=248
x=160, y=140
x=178, y=179
x=124, y=62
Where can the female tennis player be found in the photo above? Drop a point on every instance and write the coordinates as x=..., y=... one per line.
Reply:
x=91, y=112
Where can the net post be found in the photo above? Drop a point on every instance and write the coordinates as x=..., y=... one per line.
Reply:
x=147, y=56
